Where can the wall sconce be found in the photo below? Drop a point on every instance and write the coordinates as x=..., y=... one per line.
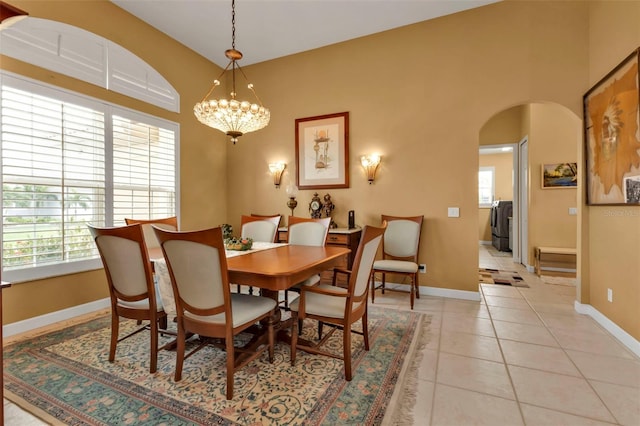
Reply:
x=370, y=164
x=276, y=170
x=9, y=15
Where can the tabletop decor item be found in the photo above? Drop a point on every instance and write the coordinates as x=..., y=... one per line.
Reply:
x=238, y=244
x=227, y=231
x=292, y=191
x=328, y=208
x=315, y=206
x=322, y=151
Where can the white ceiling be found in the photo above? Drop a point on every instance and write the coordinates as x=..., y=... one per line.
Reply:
x=268, y=29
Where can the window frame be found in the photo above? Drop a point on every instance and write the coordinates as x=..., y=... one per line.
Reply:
x=491, y=169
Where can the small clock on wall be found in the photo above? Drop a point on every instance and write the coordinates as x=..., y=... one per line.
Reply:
x=315, y=206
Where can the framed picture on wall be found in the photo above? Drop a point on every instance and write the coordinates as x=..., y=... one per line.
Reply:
x=322, y=151
x=559, y=175
x=612, y=135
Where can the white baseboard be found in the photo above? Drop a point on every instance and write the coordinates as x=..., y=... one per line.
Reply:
x=625, y=338
x=438, y=292
x=485, y=243
x=53, y=317
x=551, y=268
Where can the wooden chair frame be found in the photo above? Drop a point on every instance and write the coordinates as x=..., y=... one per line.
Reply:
x=189, y=325
x=355, y=299
x=112, y=262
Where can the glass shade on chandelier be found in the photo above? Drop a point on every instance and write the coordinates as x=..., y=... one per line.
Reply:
x=231, y=116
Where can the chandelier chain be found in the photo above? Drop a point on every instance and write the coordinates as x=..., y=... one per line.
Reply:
x=233, y=24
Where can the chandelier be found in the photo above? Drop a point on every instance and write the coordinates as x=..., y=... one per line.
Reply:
x=231, y=116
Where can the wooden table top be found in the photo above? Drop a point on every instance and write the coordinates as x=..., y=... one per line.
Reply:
x=278, y=268
x=282, y=267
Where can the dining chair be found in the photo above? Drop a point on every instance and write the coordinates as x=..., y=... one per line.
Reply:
x=131, y=286
x=258, y=228
x=204, y=303
x=305, y=231
x=400, y=250
x=170, y=223
x=266, y=216
x=337, y=306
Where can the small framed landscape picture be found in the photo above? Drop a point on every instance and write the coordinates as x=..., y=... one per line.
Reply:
x=559, y=175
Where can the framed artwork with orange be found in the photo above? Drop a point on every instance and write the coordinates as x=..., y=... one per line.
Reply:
x=612, y=136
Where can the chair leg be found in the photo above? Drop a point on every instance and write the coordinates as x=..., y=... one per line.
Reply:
x=115, y=329
x=272, y=339
x=417, y=286
x=180, y=353
x=163, y=321
x=294, y=336
x=320, y=324
x=365, y=329
x=384, y=279
x=373, y=287
x=412, y=292
x=346, y=342
x=230, y=366
x=153, y=329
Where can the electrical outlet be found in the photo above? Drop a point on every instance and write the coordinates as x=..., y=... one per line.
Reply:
x=610, y=295
x=422, y=268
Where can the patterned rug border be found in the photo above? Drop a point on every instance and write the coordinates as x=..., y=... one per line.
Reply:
x=396, y=389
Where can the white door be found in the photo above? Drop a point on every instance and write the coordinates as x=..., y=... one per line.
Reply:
x=523, y=173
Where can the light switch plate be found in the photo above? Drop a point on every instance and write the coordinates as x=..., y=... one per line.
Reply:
x=573, y=211
x=453, y=212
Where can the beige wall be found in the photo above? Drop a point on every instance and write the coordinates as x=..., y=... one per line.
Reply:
x=418, y=95
x=610, y=235
x=503, y=164
x=555, y=134
x=422, y=112
x=505, y=127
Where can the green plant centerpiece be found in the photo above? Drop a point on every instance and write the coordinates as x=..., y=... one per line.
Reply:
x=238, y=244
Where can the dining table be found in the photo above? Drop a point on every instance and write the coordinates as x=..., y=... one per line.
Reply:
x=271, y=267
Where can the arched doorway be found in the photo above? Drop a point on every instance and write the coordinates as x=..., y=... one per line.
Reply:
x=553, y=134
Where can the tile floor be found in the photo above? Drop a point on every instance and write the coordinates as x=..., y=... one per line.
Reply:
x=520, y=356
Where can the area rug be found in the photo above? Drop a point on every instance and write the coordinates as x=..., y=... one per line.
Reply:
x=566, y=281
x=65, y=378
x=497, y=276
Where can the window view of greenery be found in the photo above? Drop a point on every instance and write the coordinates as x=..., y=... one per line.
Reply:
x=55, y=178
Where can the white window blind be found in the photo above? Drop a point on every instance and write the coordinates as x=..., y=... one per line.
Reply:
x=68, y=160
x=143, y=170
